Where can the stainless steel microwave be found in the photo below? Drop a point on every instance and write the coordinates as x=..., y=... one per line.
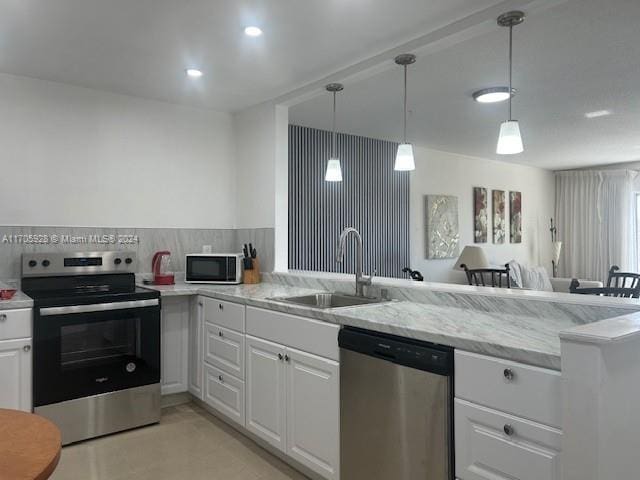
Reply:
x=218, y=268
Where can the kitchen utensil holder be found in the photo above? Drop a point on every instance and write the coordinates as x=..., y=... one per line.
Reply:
x=253, y=276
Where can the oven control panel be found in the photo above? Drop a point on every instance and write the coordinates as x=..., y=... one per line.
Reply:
x=77, y=263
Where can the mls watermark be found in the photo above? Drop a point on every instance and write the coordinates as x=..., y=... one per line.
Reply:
x=61, y=239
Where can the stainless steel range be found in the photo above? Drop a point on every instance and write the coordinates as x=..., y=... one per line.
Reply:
x=96, y=354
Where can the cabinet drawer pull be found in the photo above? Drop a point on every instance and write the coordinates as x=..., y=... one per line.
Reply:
x=286, y=358
x=220, y=306
x=508, y=430
x=27, y=348
x=280, y=357
x=3, y=317
x=220, y=334
x=509, y=375
x=222, y=380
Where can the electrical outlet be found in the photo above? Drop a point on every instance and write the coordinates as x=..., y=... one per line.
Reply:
x=206, y=249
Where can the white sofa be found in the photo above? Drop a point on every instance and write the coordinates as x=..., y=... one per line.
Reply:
x=537, y=278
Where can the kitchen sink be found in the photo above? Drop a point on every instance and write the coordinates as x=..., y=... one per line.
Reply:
x=329, y=300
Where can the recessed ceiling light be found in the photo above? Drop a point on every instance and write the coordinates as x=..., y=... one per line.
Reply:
x=193, y=72
x=493, y=94
x=598, y=113
x=253, y=31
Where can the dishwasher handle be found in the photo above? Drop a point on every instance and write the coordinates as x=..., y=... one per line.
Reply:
x=424, y=356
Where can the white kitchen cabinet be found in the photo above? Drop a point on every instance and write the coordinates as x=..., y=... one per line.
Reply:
x=523, y=390
x=266, y=391
x=225, y=393
x=196, y=338
x=313, y=417
x=491, y=445
x=293, y=401
x=15, y=374
x=174, y=345
x=224, y=349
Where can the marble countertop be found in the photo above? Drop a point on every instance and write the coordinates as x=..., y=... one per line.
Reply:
x=516, y=337
x=19, y=300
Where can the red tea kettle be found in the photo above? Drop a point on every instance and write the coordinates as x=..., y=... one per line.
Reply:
x=161, y=268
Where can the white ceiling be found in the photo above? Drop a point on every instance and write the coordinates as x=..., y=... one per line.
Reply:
x=141, y=47
x=578, y=57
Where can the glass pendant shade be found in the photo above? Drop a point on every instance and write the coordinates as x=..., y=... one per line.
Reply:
x=404, y=158
x=334, y=171
x=510, y=140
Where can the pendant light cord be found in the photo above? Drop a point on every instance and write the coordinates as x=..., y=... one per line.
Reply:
x=405, y=104
x=333, y=129
x=510, y=68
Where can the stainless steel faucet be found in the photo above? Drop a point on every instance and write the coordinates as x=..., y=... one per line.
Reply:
x=361, y=280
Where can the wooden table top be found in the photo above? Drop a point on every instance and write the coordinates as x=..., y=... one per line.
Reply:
x=29, y=446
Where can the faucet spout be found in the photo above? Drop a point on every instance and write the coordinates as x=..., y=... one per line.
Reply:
x=361, y=280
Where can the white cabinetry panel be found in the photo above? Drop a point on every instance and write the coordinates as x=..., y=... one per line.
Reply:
x=313, y=418
x=491, y=445
x=175, y=344
x=266, y=391
x=15, y=374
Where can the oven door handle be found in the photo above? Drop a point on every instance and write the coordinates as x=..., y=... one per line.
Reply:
x=98, y=307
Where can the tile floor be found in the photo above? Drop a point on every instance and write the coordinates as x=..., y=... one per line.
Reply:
x=188, y=444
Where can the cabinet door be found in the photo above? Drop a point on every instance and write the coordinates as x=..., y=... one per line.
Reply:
x=225, y=393
x=196, y=339
x=492, y=445
x=175, y=345
x=15, y=374
x=313, y=412
x=224, y=348
x=265, y=390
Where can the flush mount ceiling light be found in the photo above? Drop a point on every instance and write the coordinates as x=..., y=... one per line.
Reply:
x=510, y=139
x=334, y=171
x=252, y=31
x=193, y=72
x=598, y=113
x=404, y=156
x=493, y=94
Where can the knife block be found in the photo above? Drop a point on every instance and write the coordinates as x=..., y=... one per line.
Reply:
x=253, y=276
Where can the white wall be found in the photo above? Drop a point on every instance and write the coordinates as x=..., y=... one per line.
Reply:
x=262, y=172
x=255, y=162
x=450, y=174
x=72, y=156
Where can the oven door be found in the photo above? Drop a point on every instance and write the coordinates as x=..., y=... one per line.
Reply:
x=211, y=269
x=85, y=350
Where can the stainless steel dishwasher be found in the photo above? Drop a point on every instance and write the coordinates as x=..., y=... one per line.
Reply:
x=396, y=399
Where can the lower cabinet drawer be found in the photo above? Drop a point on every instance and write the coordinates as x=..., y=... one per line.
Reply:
x=492, y=445
x=224, y=349
x=15, y=324
x=522, y=390
x=224, y=393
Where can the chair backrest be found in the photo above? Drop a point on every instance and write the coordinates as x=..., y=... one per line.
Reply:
x=488, y=277
x=619, y=292
x=618, y=279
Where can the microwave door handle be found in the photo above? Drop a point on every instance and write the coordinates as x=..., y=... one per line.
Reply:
x=98, y=307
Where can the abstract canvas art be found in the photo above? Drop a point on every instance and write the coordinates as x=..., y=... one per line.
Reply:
x=480, y=215
x=515, y=217
x=443, y=235
x=499, y=219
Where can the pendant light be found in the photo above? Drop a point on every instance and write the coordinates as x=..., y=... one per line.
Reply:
x=404, y=157
x=510, y=139
x=334, y=171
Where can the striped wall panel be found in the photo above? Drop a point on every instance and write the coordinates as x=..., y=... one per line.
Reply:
x=372, y=197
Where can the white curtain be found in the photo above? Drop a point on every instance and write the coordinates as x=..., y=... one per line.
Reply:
x=595, y=216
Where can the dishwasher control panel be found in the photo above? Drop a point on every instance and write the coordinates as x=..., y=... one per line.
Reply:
x=403, y=351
